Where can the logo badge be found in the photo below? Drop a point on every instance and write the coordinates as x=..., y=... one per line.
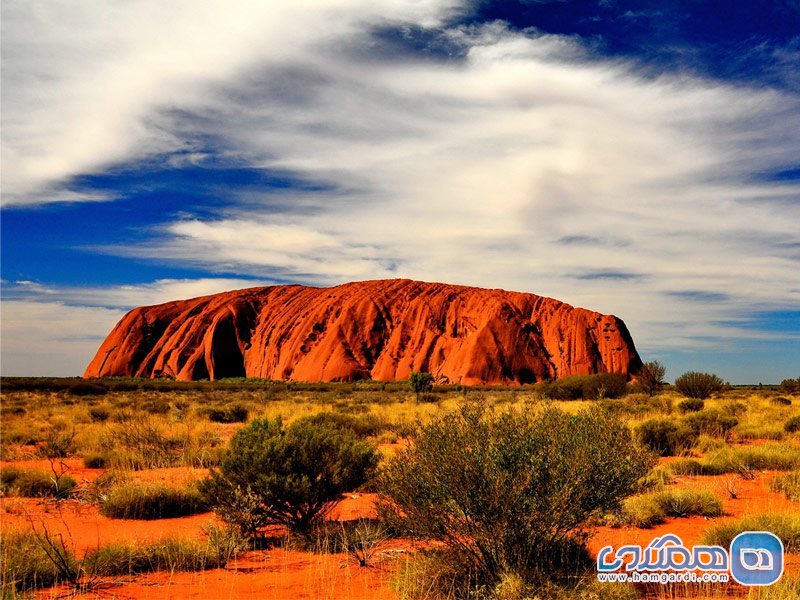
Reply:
x=756, y=558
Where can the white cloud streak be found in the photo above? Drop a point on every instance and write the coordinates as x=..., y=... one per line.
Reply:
x=468, y=171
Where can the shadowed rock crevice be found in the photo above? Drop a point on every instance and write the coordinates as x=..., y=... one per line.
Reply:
x=380, y=330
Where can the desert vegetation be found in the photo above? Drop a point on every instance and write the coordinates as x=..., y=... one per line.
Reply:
x=438, y=491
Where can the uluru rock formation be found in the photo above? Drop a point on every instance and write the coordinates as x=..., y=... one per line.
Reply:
x=379, y=330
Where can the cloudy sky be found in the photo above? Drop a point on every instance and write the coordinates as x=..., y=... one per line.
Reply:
x=630, y=156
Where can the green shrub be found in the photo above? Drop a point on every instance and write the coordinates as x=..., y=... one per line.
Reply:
x=693, y=466
x=787, y=484
x=236, y=413
x=760, y=432
x=665, y=437
x=33, y=483
x=95, y=461
x=733, y=408
x=25, y=565
x=651, y=509
x=781, y=401
x=143, y=443
x=698, y=385
x=361, y=426
x=792, y=425
x=778, y=457
x=99, y=414
x=87, y=389
x=588, y=387
x=152, y=501
x=157, y=406
x=785, y=526
x=713, y=422
x=691, y=405
x=287, y=476
x=791, y=386
x=651, y=377
x=510, y=491
x=420, y=383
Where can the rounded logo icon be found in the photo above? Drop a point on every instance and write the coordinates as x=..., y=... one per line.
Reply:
x=756, y=558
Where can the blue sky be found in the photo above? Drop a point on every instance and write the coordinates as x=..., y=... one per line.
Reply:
x=637, y=158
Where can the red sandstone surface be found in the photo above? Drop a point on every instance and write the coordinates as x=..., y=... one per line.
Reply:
x=380, y=330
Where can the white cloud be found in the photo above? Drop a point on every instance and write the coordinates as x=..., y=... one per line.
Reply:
x=466, y=171
x=51, y=338
x=56, y=330
x=81, y=80
x=127, y=296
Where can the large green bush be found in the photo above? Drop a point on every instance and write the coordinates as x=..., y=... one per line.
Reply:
x=288, y=476
x=699, y=385
x=510, y=491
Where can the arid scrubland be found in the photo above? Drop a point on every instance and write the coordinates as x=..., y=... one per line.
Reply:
x=100, y=456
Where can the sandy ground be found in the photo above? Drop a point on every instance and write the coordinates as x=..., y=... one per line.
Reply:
x=281, y=573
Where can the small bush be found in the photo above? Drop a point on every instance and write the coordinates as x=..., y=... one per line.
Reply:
x=152, y=501
x=236, y=413
x=791, y=386
x=792, y=425
x=693, y=466
x=778, y=457
x=691, y=405
x=651, y=377
x=287, y=476
x=655, y=480
x=87, y=389
x=651, y=509
x=587, y=387
x=25, y=565
x=788, y=485
x=781, y=401
x=760, y=432
x=33, y=483
x=665, y=437
x=171, y=554
x=362, y=426
x=698, y=385
x=711, y=422
x=158, y=406
x=95, y=461
x=509, y=491
x=99, y=414
x=143, y=443
x=785, y=526
x=420, y=383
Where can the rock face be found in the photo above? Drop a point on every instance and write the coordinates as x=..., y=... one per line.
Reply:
x=379, y=330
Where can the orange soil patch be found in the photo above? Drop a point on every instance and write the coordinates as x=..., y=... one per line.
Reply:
x=84, y=528
x=753, y=498
x=271, y=575
x=282, y=573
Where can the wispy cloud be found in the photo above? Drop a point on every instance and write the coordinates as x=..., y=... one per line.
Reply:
x=501, y=158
